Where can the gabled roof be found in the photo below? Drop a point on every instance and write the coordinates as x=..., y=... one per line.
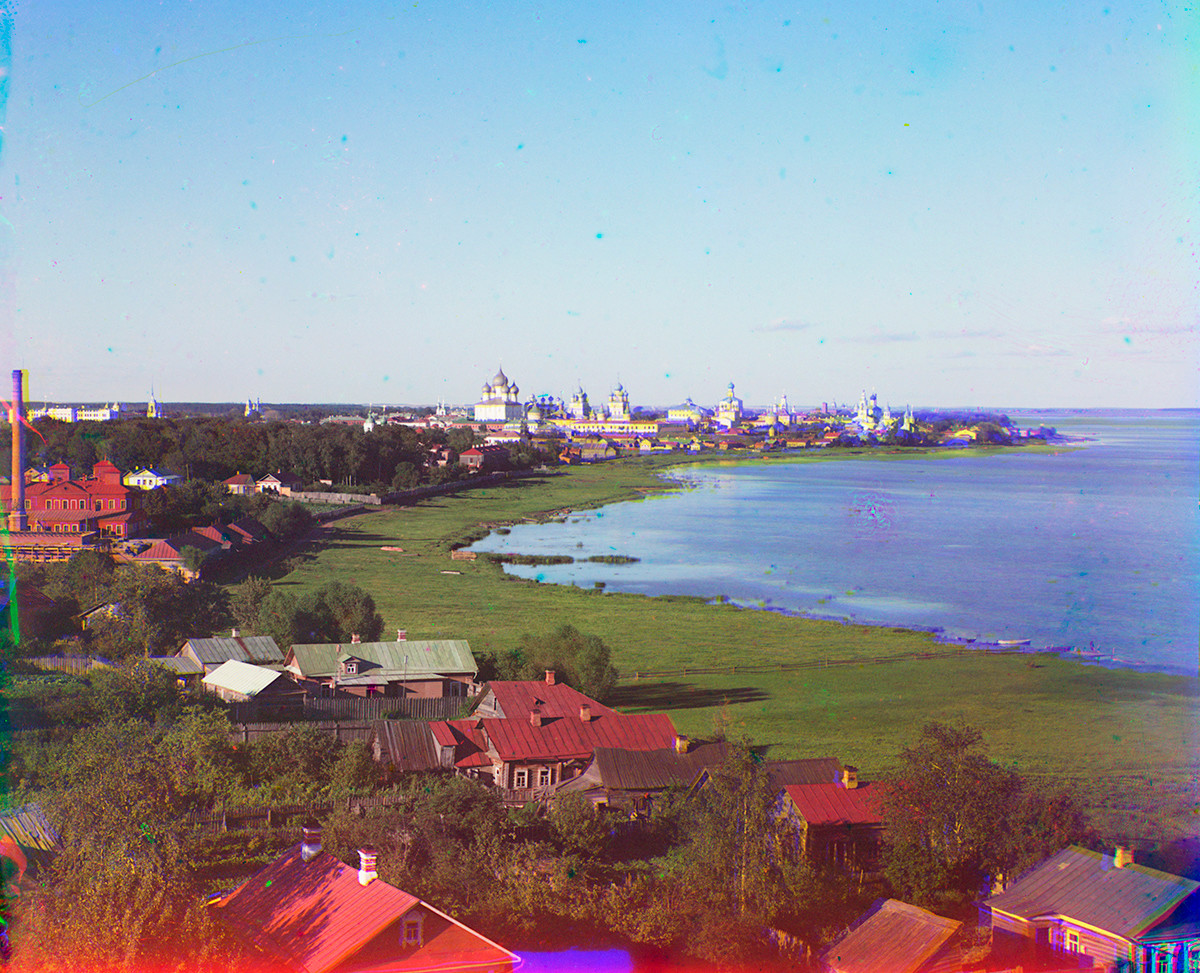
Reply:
x=250, y=648
x=317, y=916
x=405, y=744
x=649, y=770
x=569, y=737
x=239, y=479
x=180, y=665
x=414, y=660
x=829, y=804
x=890, y=937
x=516, y=699
x=809, y=770
x=241, y=677
x=1088, y=887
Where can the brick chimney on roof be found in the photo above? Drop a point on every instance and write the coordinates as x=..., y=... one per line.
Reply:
x=681, y=743
x=367, y=859
x=355, y=640
x=849, y=777
x=1123, y=857
x=551, y=677
x=535, y=716
x=310, y=847
x=401, y=635
x=585, y=712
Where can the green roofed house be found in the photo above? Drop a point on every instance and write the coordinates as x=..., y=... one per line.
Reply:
x=416, y=670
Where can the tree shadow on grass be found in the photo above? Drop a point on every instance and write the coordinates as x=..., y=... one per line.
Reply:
x=658, y=696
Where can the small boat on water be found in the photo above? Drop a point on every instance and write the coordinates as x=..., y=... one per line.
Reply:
x=1012, y=643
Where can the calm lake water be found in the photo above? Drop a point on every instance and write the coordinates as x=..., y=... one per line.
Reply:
x=1095, y=549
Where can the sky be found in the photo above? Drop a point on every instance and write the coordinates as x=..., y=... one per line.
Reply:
x=949, y=204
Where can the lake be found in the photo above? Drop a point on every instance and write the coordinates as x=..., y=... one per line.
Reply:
x=1093, y=549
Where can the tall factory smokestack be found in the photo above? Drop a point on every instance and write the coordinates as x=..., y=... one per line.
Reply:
x=16, y=508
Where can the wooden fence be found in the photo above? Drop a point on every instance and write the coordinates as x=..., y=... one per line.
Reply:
x=77, y=665
x=249, y=818
x=343, y=731
x=379, y=707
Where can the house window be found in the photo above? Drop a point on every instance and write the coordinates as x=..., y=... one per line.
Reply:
x=544, y=777
x=520, y=778
x=1193, y=960
x=1071, y=941
x=412, y=932
x=1162, y=961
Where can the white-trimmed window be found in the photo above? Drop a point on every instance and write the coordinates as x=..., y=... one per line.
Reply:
x=544, y=777
x=412, y=934
x=1071, y=941
x=520, y=778
x=1162, y=960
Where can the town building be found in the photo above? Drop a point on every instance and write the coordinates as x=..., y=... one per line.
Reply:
x=240, y=484
x=99, y=505
x=836, y=823
x=284, y=484
x=148, y=478
x=235, y=681
x=729, y=409
x=618, y=405
x=310, y=912
x=499, y=400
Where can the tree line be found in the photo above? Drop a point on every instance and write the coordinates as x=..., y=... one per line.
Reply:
x=215, y=448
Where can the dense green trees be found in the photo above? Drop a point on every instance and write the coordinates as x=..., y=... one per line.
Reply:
x=154, y=611
x=582, y=661
x=335, y=612
x=956, y=821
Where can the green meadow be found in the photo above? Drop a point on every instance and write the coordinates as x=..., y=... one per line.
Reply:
x=1126, y=740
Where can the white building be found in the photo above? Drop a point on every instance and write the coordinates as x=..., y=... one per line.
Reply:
x=618, y=405
x=149, y=478
x=499, y=401
x=729, y=409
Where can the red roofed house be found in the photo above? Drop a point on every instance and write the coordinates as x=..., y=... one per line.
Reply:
x=310, y=912
x=100, y=503
x=516, y=699
x=241, y=484
x=484, y=458
x=838, y=823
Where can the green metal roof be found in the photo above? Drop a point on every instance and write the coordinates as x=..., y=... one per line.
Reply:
x=415, y=659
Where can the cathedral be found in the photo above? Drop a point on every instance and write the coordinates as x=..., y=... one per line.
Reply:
x=499, y=401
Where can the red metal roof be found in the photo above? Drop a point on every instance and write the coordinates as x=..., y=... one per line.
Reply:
x=517, y=698
x=470, y=745
x=318, y=916
x=568, y=737
x=834, y=804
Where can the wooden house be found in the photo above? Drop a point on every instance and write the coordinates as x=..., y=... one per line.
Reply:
x=239, y=682
x=308, y=911
x=895, y=937
x=631, y=779
x=413, y=670
x=838, y=824
x=1098, y=910
x=258, y=650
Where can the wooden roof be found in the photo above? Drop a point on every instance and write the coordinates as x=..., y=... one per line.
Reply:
x=649, y=770
x=397, y=660
x=1088, y=887
x=890, y=937
x=257, y=649
x=405, y=744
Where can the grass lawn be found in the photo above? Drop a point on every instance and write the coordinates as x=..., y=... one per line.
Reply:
x=1128, y=739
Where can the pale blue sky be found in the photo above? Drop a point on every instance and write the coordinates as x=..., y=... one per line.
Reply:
x=948, y=203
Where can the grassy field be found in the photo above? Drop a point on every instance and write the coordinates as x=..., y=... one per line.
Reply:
x=803, y=687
